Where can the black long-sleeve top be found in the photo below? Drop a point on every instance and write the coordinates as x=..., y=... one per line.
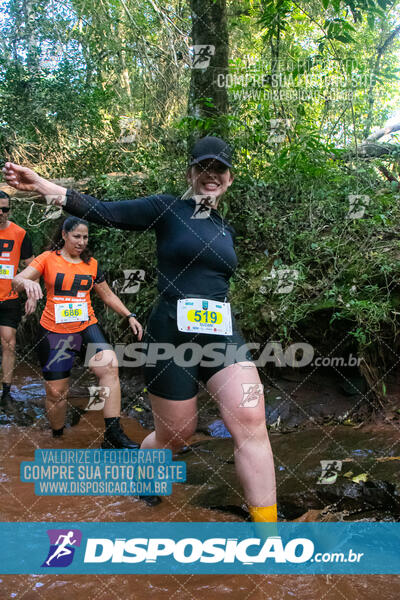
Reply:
x=195, y=256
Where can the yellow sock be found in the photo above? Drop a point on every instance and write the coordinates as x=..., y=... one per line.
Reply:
x=264, y=514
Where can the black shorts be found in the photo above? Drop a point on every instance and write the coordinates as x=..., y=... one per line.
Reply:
x=10, y=313
x=57, y=351
x=177, y=378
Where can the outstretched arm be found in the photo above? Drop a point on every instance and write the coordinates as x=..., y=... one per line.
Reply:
x=136, y=215
x=26, y=180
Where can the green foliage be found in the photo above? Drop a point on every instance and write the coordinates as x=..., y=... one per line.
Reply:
x=297, y=217
x=328, y=68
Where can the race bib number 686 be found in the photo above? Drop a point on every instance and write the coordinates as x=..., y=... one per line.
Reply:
x=68, y=312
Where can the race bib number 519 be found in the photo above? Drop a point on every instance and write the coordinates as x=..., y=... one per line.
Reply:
x=204, y=316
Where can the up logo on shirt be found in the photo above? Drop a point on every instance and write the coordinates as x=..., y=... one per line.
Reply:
x=6, y=246
x=81, y=283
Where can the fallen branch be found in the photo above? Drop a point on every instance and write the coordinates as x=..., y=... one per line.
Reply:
x=381, y=132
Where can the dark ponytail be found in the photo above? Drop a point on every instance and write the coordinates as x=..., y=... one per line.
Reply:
x=69, y=224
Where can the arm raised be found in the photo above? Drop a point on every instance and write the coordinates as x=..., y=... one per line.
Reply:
x=137, y=215
x=24, y=179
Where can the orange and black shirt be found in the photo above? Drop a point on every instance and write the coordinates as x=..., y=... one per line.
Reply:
x=67, y=284
x=14, y=246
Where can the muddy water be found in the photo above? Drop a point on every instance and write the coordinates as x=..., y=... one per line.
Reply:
x=19, y=503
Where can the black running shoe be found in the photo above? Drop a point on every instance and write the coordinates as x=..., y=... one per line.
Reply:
x=5, y=399
x=10, y=406
x=151, y=500
x=115, y=438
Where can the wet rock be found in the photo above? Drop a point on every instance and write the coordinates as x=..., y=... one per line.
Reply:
x=354, y=384
x=211, y=472
x=349, y=495
x=218, y=429
x=138, y=407
x=31, y=392
x=23, y=406
x=331, y=514
x=287, y=410
x=5, y=419
x=311, y=516
x=17, y=413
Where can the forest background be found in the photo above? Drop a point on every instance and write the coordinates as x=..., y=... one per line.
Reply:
x=110, y=94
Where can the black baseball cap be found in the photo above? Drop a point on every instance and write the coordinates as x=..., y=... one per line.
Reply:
x=211, y=147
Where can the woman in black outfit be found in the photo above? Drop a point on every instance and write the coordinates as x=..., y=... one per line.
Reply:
x=196, y=259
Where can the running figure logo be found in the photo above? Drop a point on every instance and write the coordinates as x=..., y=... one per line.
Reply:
x=278, y=130
x=62, y=547
x=203, y=207
x=285, y=280
x=133, y=278
x=97, y=397
x=202, y=55
x=63, y=348
x=357, y=205
x=330, y=471
x=252, y=392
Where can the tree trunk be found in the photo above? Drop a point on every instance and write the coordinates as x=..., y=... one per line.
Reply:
x=375, y=73
x=33, y=51
x=208, y=95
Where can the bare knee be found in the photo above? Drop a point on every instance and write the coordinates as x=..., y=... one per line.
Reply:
x=174, y=421
x=105, y=365
x=175, y=436
x=8, y=344
x=247, y=425
x=109, y=372
x=56, y=395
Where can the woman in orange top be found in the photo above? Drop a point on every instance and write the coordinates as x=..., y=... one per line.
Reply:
x=69, y=326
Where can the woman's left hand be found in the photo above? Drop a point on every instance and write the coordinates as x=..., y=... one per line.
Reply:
x=30, y=306
x=136, y=327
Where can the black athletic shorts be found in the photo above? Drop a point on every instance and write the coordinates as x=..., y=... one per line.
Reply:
x=177, y=378
x=10, y=312
x=57, y=351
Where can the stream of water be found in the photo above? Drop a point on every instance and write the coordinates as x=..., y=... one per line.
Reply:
x=18, y=502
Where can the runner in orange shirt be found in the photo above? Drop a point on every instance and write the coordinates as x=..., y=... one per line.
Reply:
x=69, y=326
x=15, y=245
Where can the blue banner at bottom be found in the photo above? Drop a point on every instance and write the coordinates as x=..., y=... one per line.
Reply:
x=196, y=548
